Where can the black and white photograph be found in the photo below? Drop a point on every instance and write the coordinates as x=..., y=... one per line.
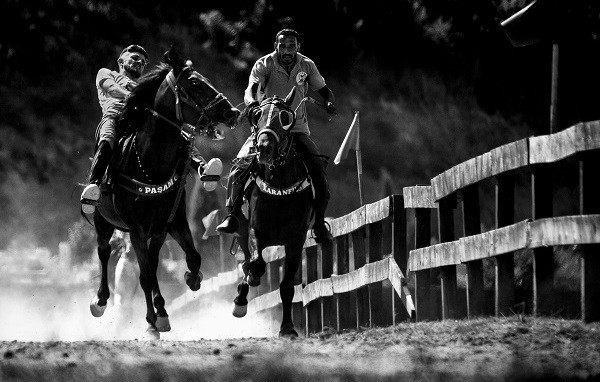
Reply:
x=324, y=190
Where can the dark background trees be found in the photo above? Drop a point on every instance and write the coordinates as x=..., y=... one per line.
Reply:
x=436, y=82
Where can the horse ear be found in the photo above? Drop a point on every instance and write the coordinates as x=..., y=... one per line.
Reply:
x=290, y=97
x=172, y=58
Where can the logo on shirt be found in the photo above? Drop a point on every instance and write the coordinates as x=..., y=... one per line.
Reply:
x=301, y=77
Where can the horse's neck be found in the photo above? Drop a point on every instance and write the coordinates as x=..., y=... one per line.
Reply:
x=157, y=144
x=285, y=174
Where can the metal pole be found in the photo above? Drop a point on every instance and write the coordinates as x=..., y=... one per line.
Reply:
x=359, y=167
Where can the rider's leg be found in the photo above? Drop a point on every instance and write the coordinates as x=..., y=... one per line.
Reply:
x=238, y=176
x=316, y=165
x=102, y=158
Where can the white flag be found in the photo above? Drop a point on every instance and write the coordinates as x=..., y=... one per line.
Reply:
x=351, y=141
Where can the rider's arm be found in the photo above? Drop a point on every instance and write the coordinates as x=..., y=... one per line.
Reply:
x=106, y=82
x=251, y=94
x=328, y=99
x=256, y=82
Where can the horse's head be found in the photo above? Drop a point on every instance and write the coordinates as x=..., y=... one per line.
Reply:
x=197, y=102
x=272, y=121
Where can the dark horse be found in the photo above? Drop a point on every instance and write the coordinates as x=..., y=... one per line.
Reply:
x=280, y=204
x=169, y=107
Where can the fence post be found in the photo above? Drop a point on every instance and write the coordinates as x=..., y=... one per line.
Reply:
x=504, y=265
x=425, y=303
x=399, y=252
x=374, y=253
x=589, y=203
x=448, y=285
x=363, y=315
x=472, y=226
x=345, y=305
x=313, y=309
x=543, y=258
x=324, y=271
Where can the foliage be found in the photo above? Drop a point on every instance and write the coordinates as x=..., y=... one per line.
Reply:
x=422, y=72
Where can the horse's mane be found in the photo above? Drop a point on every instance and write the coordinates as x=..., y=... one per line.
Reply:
x=134, y=112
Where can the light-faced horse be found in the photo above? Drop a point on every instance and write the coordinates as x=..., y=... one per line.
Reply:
x=169, y=107
x=280, y=204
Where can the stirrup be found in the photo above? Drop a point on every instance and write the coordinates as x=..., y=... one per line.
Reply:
x=211, y=174
x=326, y=236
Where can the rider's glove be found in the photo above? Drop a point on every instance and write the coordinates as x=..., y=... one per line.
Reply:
x=330, y=107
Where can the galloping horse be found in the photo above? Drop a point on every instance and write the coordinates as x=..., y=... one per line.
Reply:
x=169, y=107
x=280, y=204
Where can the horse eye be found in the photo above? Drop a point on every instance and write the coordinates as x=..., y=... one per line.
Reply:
x=286, y=119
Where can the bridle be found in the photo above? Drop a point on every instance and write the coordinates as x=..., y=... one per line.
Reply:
x=204, y=125
x=283, y=150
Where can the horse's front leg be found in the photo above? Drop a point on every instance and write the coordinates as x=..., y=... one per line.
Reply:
x=256, y=265
x=293, y=259
x=180, y=231
x=162, y=318
x=104, y=231
x=147, y=275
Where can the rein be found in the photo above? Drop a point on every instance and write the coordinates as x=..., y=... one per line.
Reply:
x=188, y=132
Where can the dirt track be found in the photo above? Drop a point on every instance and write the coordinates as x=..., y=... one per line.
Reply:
x=518, y=348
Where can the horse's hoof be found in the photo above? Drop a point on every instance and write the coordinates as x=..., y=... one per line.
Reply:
x=162, y=324
x=239, y=311
x=193, y=282
x=97, y=309
x=151, y=334
x=288, y=331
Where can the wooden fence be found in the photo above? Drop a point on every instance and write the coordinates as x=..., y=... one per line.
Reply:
x=356, y=281
x=360, y=279
x=541, y=159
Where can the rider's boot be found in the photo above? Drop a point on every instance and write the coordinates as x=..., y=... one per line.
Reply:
x=210, y=173
x=91, y=193
x=316, y=169
x=235, y=195
x=320, y=230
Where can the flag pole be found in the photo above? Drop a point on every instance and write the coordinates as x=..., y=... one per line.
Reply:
x=359, y=165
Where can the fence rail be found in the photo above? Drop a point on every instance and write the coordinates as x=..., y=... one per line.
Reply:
x=540, y=157
x=360, y=279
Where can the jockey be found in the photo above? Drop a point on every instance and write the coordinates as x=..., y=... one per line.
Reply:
x=113, y=88
x=276, y=74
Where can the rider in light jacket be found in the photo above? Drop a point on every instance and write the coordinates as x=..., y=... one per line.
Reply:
x=276, y=74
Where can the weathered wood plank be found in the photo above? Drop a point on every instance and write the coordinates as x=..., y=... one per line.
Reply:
x=501, y=159
x=396, y=278
x=273, y=253
x=418, y=197
x=578, y=229
x=368, y=274
x=554, y=147
x=367, y=214
x=317, y=289
x=495, y=242
x=435, y=256
x=264, y=301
